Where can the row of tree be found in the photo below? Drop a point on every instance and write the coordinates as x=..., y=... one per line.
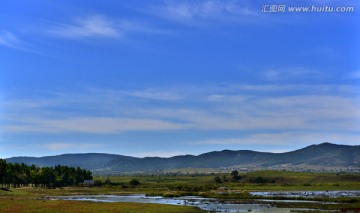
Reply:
x=17, y=175
x=234, y=177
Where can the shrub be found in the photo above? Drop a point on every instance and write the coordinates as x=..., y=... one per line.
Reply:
x=217, y=179
x=98, y=183
x=134, y=182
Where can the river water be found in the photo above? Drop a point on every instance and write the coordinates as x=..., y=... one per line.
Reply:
x=216, y=205
x=207, y=204
x=308, y=194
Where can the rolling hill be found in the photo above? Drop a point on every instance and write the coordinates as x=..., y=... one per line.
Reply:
x=321, y=155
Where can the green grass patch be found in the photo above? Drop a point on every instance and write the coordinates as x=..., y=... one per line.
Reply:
x=28, y=205
x=184, y=185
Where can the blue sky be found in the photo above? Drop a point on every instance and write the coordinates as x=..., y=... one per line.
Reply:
x=164, y=78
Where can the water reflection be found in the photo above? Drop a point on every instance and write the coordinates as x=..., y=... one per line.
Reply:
x=217, y=205
x=207, y=204
x=308, y=194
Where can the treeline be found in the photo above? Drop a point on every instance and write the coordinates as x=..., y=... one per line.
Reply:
x=235, y=177
x=18, y=175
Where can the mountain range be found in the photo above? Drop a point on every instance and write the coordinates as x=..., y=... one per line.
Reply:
x=325, y=155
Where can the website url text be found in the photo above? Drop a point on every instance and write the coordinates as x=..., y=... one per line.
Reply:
x=280, y=8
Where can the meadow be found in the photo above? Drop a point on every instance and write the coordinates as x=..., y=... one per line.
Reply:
x=253, y=181
x=221, y=186
x=29, y=205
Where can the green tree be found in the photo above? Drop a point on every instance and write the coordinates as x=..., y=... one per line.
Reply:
x=217, y=179
x=224, y=178
x=19, y=175
x=235, y=175
x=134, y=182
x=2, y=170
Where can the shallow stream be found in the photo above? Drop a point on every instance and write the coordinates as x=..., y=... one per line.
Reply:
x=217, y=205
x=208, y=204
x=308, y=194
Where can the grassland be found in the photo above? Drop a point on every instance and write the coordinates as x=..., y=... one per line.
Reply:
x=273, y=181
x=50, y=206
x=29, y=199
x=37, y=199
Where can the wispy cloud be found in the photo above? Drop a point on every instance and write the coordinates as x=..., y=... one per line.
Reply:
x=353, y=75
x=157, y=95
x=281, y=74
x=57, y=146
x=194, y=11
x=254, y=139
x=164, y=154
x=92, y=125
x=9, y=39
x=235, y=107
x=283, y=139
x=99, y=26
x=91, y=26
x=20, y=41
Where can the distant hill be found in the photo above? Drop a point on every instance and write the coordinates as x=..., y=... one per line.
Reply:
x=321, y=155
x=89, y=161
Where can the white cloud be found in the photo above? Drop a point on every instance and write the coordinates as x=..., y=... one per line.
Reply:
x=353, y=75
x=210, y=10
x=164, y=154
x=284, y=139
x=64, y=146
x=59, y=146
x=100, y=26
x=9, y=39
x=157, y=95
x=229, y=98
x=91, y=26
x=95, y=125
x=235, y=107
x=281, y=74
x=256, y=139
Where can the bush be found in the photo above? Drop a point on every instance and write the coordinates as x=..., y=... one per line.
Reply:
x=260, y=179
x=134, y=182
x=98, y=183
x=217, y=179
